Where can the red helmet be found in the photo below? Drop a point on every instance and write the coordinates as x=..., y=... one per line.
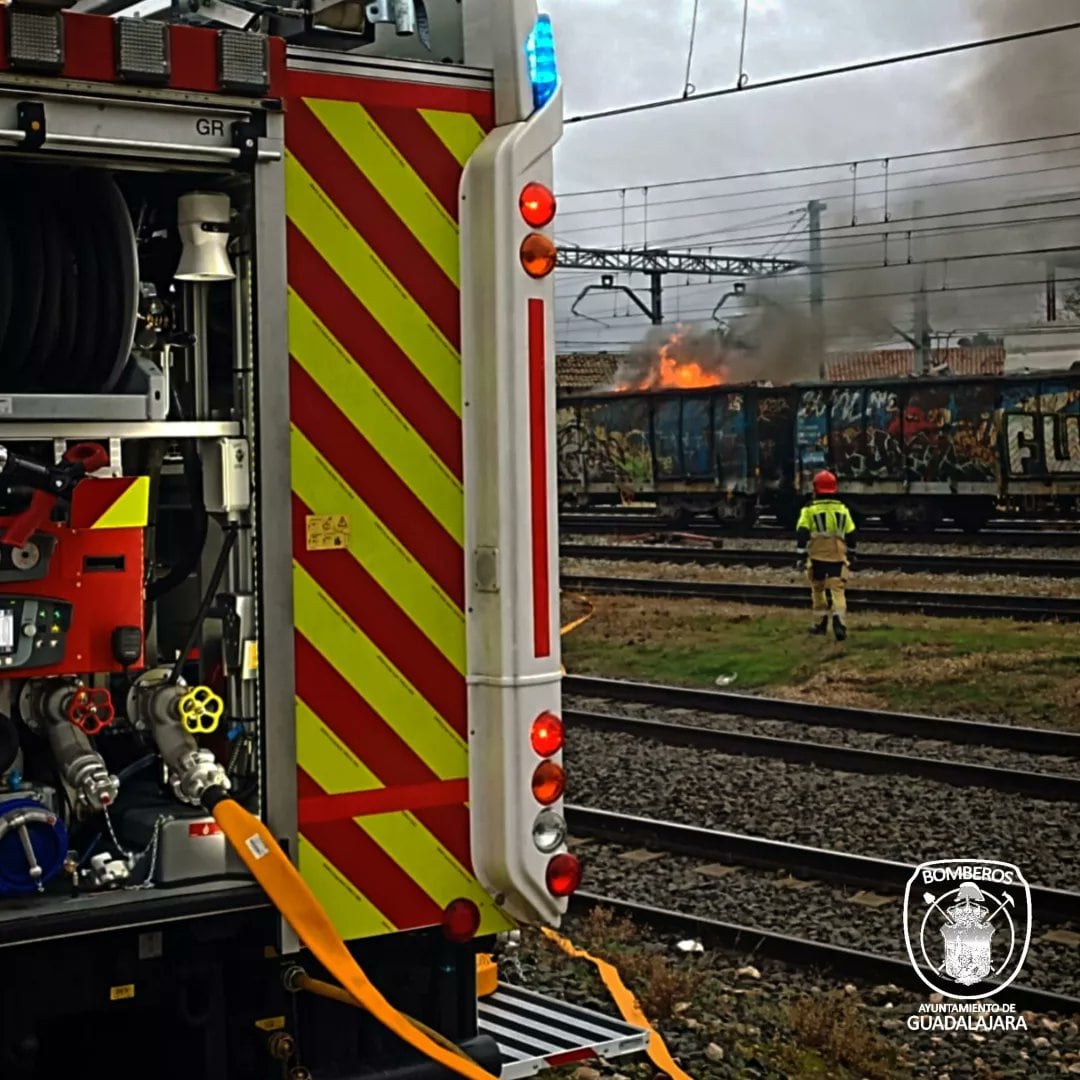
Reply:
x=825, y=484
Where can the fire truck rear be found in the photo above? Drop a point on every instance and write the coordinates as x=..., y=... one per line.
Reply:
x=276, y=534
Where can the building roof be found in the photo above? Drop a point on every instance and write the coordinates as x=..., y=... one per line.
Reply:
x=896, y=363
x=585, y=371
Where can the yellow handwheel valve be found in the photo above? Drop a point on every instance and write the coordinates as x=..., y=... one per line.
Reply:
x=200, y=710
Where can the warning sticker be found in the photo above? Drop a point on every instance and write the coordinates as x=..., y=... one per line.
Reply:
x=121, y=993
x=271, y=1023
x=257, y=846
x=325, y=532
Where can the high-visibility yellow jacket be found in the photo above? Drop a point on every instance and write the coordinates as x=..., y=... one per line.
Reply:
x=824, y=531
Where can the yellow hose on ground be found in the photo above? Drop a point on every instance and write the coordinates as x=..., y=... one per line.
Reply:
x=577, y=622
x=657, y=1050
x=583, y=619
x=281, y=881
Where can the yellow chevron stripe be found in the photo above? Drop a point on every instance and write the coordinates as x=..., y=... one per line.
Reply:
x=398, y=833
x=131, y=510
x=373, y=546
x=362, y=665
x=352, y=259
x=459, y=132
x=423, y=858
x=372, y=414
x=354, y=916
x=326, y=759
x=353, y=129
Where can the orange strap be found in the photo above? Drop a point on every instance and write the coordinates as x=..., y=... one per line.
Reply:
x=584, y=618
x=282, y=882
x=658, y=1052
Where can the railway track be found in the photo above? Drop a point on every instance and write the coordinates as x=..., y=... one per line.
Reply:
x=739, y=915
x=913, y=725
x=1004, y=536
x=831, y=756
x=818, y=864
x=808, y=863
x=923, y=564
x=801, y=952
x=953, y=605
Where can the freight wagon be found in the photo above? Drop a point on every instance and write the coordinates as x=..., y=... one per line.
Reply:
x=911, y=452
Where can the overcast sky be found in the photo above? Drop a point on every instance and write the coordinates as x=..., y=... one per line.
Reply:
x=612, y=54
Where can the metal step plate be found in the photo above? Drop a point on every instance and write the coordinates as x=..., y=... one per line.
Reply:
x=536, y=1032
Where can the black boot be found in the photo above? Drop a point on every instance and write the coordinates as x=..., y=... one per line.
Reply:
x=819, y=629
x=839, y=629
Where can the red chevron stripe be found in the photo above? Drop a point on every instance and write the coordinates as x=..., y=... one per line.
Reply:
x=414, y=139
x=390, y=499
x=366, y=733
x=372, y=217
x=92, y=499
x=392, y=632
x=338, y=308
x=402, y=95
x=374, y=873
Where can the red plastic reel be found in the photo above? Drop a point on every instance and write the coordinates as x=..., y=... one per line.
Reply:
x=91, y=709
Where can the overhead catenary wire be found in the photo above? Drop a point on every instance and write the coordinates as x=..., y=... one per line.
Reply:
x=825, y=73
x=688, y=86
x=870, y=237
x=999, y=286
x=984, y=178
x=789, y=169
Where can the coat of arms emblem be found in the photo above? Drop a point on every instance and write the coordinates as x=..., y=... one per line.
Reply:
x=967, y=924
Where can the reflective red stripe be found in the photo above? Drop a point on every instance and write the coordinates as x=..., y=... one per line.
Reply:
x=538, y=462
x=346, y=713
x=193, y=58
x=583, y=1054
x=371, y=870
x=353, y=804
x=89, y=47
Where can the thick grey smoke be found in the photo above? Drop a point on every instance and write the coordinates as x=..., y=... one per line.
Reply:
x=965, y=237
x=1027, y=88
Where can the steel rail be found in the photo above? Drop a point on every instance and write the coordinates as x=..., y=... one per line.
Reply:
x=800, y=952
x=926, y=564
x=950, y=605
x=914, y=725
x=1049, y=786
x=819, y=864
x=617, y=524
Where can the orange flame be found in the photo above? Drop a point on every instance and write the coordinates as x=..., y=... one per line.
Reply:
x=673, y=373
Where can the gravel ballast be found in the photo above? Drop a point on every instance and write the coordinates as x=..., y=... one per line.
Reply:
x=910, y=820
x=817, y=911
x=963, y=753
x=729, y=1015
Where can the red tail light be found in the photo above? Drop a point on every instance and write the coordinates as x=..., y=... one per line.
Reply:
x=547, y=734
x=563, y=875
x=461, y=920
x=537, y=205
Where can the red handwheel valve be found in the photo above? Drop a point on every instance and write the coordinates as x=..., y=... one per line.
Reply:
x=90, y=709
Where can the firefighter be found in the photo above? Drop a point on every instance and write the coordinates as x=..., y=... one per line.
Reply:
x=826, y=547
